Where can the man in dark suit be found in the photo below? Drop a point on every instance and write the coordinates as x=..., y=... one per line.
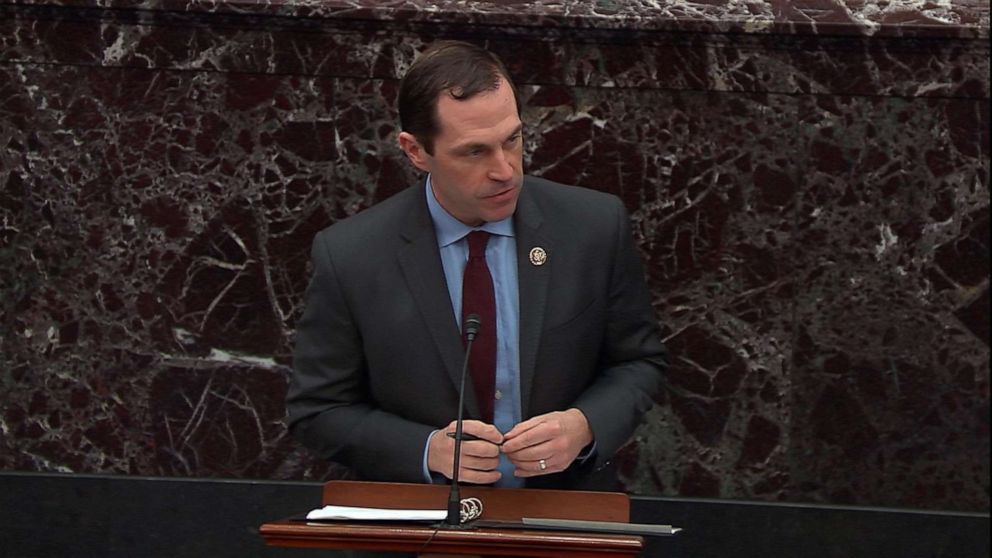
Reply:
x=379, y=350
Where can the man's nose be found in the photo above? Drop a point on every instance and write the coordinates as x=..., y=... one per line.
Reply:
x=501, y=170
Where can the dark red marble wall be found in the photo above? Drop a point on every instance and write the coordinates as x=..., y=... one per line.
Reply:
x=809, y=184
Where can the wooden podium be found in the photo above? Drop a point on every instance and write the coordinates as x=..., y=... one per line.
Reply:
x=499, y=504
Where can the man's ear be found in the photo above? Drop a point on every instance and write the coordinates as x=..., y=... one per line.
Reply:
x=414, y=151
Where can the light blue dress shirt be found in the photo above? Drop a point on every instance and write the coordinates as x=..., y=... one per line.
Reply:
x=501, y=257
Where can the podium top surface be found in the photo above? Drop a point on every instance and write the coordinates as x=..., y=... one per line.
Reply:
x=424, y=538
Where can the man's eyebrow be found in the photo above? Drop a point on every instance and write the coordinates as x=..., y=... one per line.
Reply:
x=516, y=131
x=470, y=147
x=475, y=145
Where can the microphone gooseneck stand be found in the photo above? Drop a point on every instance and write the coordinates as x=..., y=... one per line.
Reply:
x=472, y=325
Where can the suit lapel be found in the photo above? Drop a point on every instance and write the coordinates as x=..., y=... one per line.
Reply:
x=533, y=288
x=422, y=269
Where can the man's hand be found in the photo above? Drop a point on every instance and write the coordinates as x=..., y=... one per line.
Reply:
x=547, y=443
x=479, y=457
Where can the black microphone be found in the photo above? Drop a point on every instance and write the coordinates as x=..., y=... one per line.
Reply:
x=471, y=327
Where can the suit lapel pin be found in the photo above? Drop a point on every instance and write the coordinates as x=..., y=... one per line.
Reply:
x=538, y=256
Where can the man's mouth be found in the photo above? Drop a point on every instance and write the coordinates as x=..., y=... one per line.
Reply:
x=502, y=193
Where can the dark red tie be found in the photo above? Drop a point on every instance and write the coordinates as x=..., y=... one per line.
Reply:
x=479, y=298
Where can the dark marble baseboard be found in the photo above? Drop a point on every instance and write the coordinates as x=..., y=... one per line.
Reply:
x=92, y=516
x=96, y=516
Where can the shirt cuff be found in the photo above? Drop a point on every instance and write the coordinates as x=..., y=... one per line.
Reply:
x=586, y=453
x=429, y=477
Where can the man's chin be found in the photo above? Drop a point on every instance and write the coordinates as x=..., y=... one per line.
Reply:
x=494, y=215
x=503, y=209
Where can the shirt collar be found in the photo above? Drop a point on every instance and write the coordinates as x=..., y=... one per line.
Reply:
x=450, y=230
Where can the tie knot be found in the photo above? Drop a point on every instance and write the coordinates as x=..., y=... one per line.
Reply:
x=477, y=244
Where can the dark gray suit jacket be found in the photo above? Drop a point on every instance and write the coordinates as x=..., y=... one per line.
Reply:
x=378, y=352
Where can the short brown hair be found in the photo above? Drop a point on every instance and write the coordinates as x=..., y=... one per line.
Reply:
x=457, y=68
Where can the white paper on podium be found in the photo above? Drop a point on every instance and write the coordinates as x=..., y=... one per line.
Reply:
x=346, y=513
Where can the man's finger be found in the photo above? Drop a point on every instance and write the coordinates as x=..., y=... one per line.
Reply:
x=478, y=477
x=523, y=427
x=535, y=435
x=476, y=429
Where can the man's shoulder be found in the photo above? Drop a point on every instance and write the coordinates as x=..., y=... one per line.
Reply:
x=384, y=219
x=560, y=198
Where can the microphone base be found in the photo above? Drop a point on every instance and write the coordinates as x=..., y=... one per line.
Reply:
x=445, y=526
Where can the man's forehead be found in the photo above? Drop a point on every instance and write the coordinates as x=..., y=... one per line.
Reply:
x=462, y=119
